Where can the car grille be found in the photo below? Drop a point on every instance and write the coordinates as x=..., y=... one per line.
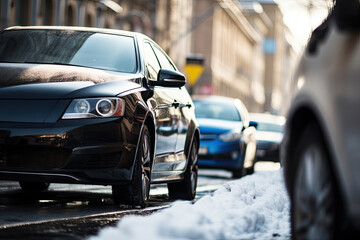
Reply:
x=24, y=158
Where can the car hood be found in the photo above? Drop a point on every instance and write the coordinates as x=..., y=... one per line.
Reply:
x=217, y=126
x=48, y=81
x=268, y=136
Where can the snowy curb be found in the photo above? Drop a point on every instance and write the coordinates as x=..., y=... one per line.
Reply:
x=253, y=207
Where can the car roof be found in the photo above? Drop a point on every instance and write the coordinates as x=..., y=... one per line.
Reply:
x=84, y=29
x=267, y=118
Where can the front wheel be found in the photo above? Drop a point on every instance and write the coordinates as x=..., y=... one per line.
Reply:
x=238, y=172
x=136, y=193
x=186, y=189
x=314, y=201
x=250, y=170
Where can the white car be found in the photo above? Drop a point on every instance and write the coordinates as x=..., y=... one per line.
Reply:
x=321, y=146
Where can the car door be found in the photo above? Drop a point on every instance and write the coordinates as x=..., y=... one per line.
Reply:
x=186, y=109
x=184, y=103
x=165, y=109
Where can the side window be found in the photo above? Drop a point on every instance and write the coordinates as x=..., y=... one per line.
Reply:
x=151, y=61
x=164, y=61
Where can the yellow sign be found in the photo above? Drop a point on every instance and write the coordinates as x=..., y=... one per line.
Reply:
x=193, y=72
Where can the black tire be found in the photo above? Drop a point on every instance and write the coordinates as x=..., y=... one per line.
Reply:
x=237, y=173
x=315, y=203
x=186, y=189
x=136, y=193
x=250, y=170
x=241, y=171
x=34, y=186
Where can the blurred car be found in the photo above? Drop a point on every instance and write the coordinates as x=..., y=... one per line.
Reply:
x=321, y=146
x=227, y=141
x=94, y=106
x=269, y=134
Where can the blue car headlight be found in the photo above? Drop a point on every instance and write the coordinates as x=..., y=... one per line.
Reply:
x=230, y=136
x=95, y=108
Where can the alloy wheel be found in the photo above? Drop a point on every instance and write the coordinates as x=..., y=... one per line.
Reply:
x=194, y=167
x=145, y=160
x=314, y=196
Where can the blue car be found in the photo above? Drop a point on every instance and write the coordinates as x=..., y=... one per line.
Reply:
x=227, y=140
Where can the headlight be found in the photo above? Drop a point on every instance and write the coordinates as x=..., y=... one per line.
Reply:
x=95, y=108
x=231, y=135
x=81, y=106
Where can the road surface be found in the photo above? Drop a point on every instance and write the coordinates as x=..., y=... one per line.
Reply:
x=69, y=211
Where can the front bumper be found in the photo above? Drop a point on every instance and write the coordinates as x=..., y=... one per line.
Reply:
x=219, y=154
x=267, y=151
x=91, y=151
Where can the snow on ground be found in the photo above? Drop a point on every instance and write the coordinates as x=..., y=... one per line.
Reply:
x=253, y=207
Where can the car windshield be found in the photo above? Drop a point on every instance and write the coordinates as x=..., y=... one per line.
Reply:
x=216, y=110
x=79, y=48
x=269, y=127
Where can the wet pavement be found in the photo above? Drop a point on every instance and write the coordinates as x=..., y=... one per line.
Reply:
x=71, y=211
x=73, y=228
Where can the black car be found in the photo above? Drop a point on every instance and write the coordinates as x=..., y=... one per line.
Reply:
x=94, y=106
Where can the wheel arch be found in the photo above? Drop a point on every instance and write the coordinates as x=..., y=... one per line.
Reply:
x=299, y=120
x=150, y=123
x=193, y=134
x=145, y=117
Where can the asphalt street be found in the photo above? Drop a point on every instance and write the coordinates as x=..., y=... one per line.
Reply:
x=68, y=211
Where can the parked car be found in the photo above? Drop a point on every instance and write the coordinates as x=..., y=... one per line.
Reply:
x=94, y=106
x=269, y=134
x=227, y=141
x=320, y=152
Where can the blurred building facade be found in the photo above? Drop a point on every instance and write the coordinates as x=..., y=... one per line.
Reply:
x=274, y=48
x=261, y=23
x=58, y=12
x=227, y=41
x=174, y=19
x=166, y=21
x=280, y=59
x=247, y=54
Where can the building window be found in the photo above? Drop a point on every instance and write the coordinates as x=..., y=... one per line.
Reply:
x=23, y=12
x=49, y=13
x=90, y=20
x=71, y=16
x=269, y=46
x=107, y=24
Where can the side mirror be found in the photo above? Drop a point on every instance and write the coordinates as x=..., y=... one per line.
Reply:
x=169, y=78
x=253, y=124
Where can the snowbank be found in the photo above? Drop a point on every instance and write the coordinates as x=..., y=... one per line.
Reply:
x=253, y=207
